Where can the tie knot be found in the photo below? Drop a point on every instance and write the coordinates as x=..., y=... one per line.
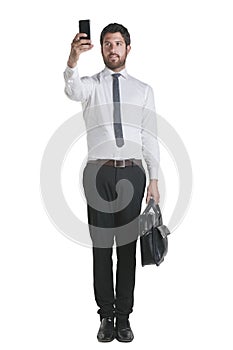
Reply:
x=116, y=75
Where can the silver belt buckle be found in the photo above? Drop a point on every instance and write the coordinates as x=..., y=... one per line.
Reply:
x=122, y=162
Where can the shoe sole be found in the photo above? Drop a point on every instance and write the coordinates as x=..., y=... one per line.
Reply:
x=105, y=341
x=124, y=341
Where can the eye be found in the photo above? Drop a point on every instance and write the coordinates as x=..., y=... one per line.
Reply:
x=119, y=43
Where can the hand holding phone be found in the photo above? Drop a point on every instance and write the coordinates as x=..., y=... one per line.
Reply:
x=80, y=43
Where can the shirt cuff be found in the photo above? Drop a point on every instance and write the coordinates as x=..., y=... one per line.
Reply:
x=70, y=73
x=72, y=69
x=153, y=173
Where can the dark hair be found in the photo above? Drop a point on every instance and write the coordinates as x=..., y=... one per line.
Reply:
x=114, y=28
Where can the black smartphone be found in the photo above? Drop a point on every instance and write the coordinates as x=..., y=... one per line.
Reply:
x=84, y=27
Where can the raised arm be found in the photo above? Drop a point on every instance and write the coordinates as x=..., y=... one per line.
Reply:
x=76, y=88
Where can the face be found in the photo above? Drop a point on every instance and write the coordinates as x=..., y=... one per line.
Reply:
x=114, y=51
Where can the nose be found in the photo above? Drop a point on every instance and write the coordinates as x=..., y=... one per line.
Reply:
x=113, y=48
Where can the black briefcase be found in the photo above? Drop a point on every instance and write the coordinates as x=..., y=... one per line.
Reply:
x=153, y=235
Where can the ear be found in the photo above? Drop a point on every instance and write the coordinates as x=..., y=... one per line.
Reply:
x=128, y=48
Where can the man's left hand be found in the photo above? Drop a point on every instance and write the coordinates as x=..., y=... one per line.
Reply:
x=152, y=191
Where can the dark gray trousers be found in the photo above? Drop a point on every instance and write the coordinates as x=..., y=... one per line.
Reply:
x=116, y=222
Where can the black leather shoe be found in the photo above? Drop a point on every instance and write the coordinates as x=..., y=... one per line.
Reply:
x=123, y=331
x=106, y=331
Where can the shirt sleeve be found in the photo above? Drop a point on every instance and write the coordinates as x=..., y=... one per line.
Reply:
x=76, y=88
x=150, y=146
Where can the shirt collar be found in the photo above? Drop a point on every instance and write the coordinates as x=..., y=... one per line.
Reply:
x=107, y=72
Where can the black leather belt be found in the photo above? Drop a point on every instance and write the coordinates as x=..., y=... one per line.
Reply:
x=117, y=163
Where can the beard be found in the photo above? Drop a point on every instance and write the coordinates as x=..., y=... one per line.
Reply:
x=113, y=61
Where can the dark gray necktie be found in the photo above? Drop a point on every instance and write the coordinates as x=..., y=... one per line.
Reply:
x=117, y=111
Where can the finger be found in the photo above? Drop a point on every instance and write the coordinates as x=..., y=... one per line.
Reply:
x=84, y=41
x=78, y=36
x=85, y=47
x=82, y=34
x=81, y=43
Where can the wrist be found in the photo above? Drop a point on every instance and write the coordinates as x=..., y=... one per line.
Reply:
x=71, y=63
x=154, y=180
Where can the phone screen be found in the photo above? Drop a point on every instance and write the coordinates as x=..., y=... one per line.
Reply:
x=84, y=27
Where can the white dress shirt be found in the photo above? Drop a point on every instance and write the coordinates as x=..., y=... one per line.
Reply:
x=137, y=115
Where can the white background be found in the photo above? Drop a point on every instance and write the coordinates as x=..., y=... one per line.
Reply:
x=184, y=50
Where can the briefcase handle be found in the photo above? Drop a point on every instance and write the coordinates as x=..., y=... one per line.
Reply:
x=154, y=206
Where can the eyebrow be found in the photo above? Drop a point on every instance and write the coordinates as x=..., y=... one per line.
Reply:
x=116, y=40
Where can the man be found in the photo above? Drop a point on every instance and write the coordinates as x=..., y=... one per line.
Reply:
x=120, y=119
